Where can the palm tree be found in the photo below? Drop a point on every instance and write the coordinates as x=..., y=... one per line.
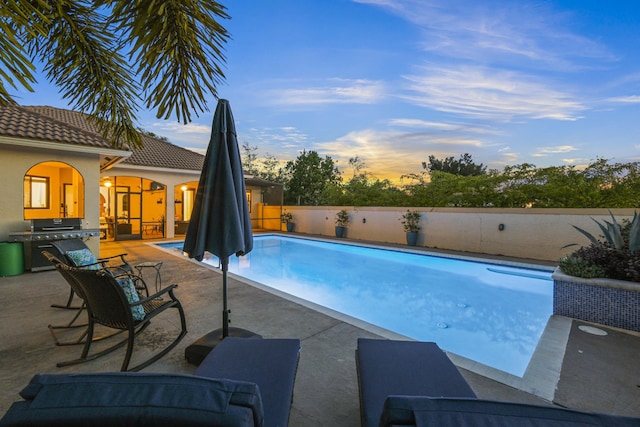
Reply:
x=107, y=56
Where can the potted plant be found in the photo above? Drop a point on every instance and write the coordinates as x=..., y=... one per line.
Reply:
x=599, y=282
x=411, y=222
x=287, y=218
x=342, y=219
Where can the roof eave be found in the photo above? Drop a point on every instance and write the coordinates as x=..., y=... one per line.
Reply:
x=51, y=145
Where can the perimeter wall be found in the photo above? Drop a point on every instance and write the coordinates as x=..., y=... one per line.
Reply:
x=537, y=234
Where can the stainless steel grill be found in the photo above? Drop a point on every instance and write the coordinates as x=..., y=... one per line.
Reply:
x=45, y=231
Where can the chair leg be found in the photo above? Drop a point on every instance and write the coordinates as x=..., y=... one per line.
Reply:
x=157, y=356
x=68, y=305
x=127, y=356
x=70, y=325
x=85, y=357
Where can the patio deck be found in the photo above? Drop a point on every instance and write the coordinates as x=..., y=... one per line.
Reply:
x=598, y=373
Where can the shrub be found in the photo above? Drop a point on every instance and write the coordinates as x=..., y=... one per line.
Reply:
x=342, y=218
x=411, y=221
x=617, y=257
x=286, y=217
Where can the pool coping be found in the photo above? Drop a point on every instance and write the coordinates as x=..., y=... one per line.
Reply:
x=542, y=374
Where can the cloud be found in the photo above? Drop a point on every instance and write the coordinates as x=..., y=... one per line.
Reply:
x=282, y=142
x=333, y=91
x=393, y=153
x=493, y=94
x=632, y=99
x=545, y=151
x=441, y=126
x=499, y=32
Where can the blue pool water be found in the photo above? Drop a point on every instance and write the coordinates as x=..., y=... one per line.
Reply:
x=493, y=314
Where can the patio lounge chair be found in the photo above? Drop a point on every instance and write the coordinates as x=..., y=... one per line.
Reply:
x=270, y=363
x=413, y=383
x=113, y=302
x=208, y=398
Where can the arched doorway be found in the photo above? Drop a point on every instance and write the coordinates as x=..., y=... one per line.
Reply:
x=134, y=207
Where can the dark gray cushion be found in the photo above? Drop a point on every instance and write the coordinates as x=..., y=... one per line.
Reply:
x=135, y=399
x=387, y=367
x=269, y=363
x=460, y=412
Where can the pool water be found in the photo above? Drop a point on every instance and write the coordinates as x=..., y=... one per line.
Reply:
x=490, y=313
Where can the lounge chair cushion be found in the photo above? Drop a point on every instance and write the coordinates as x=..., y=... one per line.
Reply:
x=412, y=368
x=84, y=257
x=140, y=399
x=461, y=412
x=269, y=363
x=131, y=293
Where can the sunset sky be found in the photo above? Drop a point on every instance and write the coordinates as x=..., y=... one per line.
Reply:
x=394, y=81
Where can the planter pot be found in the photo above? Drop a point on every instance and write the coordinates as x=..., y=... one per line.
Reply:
x=340, y=231
x=412, y=238
x=291, y=226
x=608, y=302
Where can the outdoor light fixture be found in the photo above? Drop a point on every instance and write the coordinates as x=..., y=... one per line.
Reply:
x=107, y=183
x=183, y=188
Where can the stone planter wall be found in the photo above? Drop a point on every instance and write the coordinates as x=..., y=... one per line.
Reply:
x=607, y=302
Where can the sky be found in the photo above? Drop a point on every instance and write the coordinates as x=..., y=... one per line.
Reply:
x=392, y=82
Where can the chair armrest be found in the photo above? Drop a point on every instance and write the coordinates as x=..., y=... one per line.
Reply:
x=100, y=263
x=169, y=289
x=107, y=258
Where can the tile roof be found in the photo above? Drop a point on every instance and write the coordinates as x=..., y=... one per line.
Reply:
x=163, y=154
x=71, y=127
x=22, y=122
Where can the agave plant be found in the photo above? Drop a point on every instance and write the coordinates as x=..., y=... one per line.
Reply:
x=613, y=234
x=617, y=257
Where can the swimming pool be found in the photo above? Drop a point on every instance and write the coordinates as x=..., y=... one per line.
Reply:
x=490, y=313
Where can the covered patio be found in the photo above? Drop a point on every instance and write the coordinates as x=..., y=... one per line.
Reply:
x=598, y=373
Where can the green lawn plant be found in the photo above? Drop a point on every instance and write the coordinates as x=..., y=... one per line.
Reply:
x=616, y=255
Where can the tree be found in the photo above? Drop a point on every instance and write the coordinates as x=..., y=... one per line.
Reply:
x=271, y=169
x=249, y=159
x=357, y=164
x=464, y=166
x=309, y=177
x=107, y=56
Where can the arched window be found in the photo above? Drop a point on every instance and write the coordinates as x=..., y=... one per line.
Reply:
x=53, y=190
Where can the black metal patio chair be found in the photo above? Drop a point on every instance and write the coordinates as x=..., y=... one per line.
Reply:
x=72, y=325
x=113, y=302
x=76, y=253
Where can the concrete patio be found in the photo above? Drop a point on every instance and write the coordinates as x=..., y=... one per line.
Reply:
x=596, y=373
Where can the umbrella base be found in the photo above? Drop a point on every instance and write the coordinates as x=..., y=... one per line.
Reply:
x=196, y=352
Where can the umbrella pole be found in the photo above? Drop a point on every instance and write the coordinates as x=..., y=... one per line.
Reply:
x=225, y=308
x=197, y=351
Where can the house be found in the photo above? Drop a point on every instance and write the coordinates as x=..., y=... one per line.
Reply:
x=55, y=164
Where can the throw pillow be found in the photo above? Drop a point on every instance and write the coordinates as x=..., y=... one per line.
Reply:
x=132, y=297
x=84, y=257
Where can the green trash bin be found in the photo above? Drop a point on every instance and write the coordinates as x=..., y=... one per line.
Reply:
x=11, y=258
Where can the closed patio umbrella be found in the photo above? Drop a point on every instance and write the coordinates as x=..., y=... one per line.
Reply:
x=220, y=222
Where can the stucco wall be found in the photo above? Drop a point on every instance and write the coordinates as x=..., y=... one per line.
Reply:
x=528, y=233
x=16, y=161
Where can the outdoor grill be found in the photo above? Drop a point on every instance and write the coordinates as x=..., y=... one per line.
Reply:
x=45, y=231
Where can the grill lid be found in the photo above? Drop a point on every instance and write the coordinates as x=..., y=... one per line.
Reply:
x=53, y=224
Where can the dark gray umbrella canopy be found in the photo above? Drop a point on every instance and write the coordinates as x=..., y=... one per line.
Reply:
x=220, y=221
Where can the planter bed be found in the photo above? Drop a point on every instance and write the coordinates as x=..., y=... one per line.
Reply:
x=607, y=302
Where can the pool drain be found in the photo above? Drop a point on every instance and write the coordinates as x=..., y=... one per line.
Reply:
x=442, y=325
